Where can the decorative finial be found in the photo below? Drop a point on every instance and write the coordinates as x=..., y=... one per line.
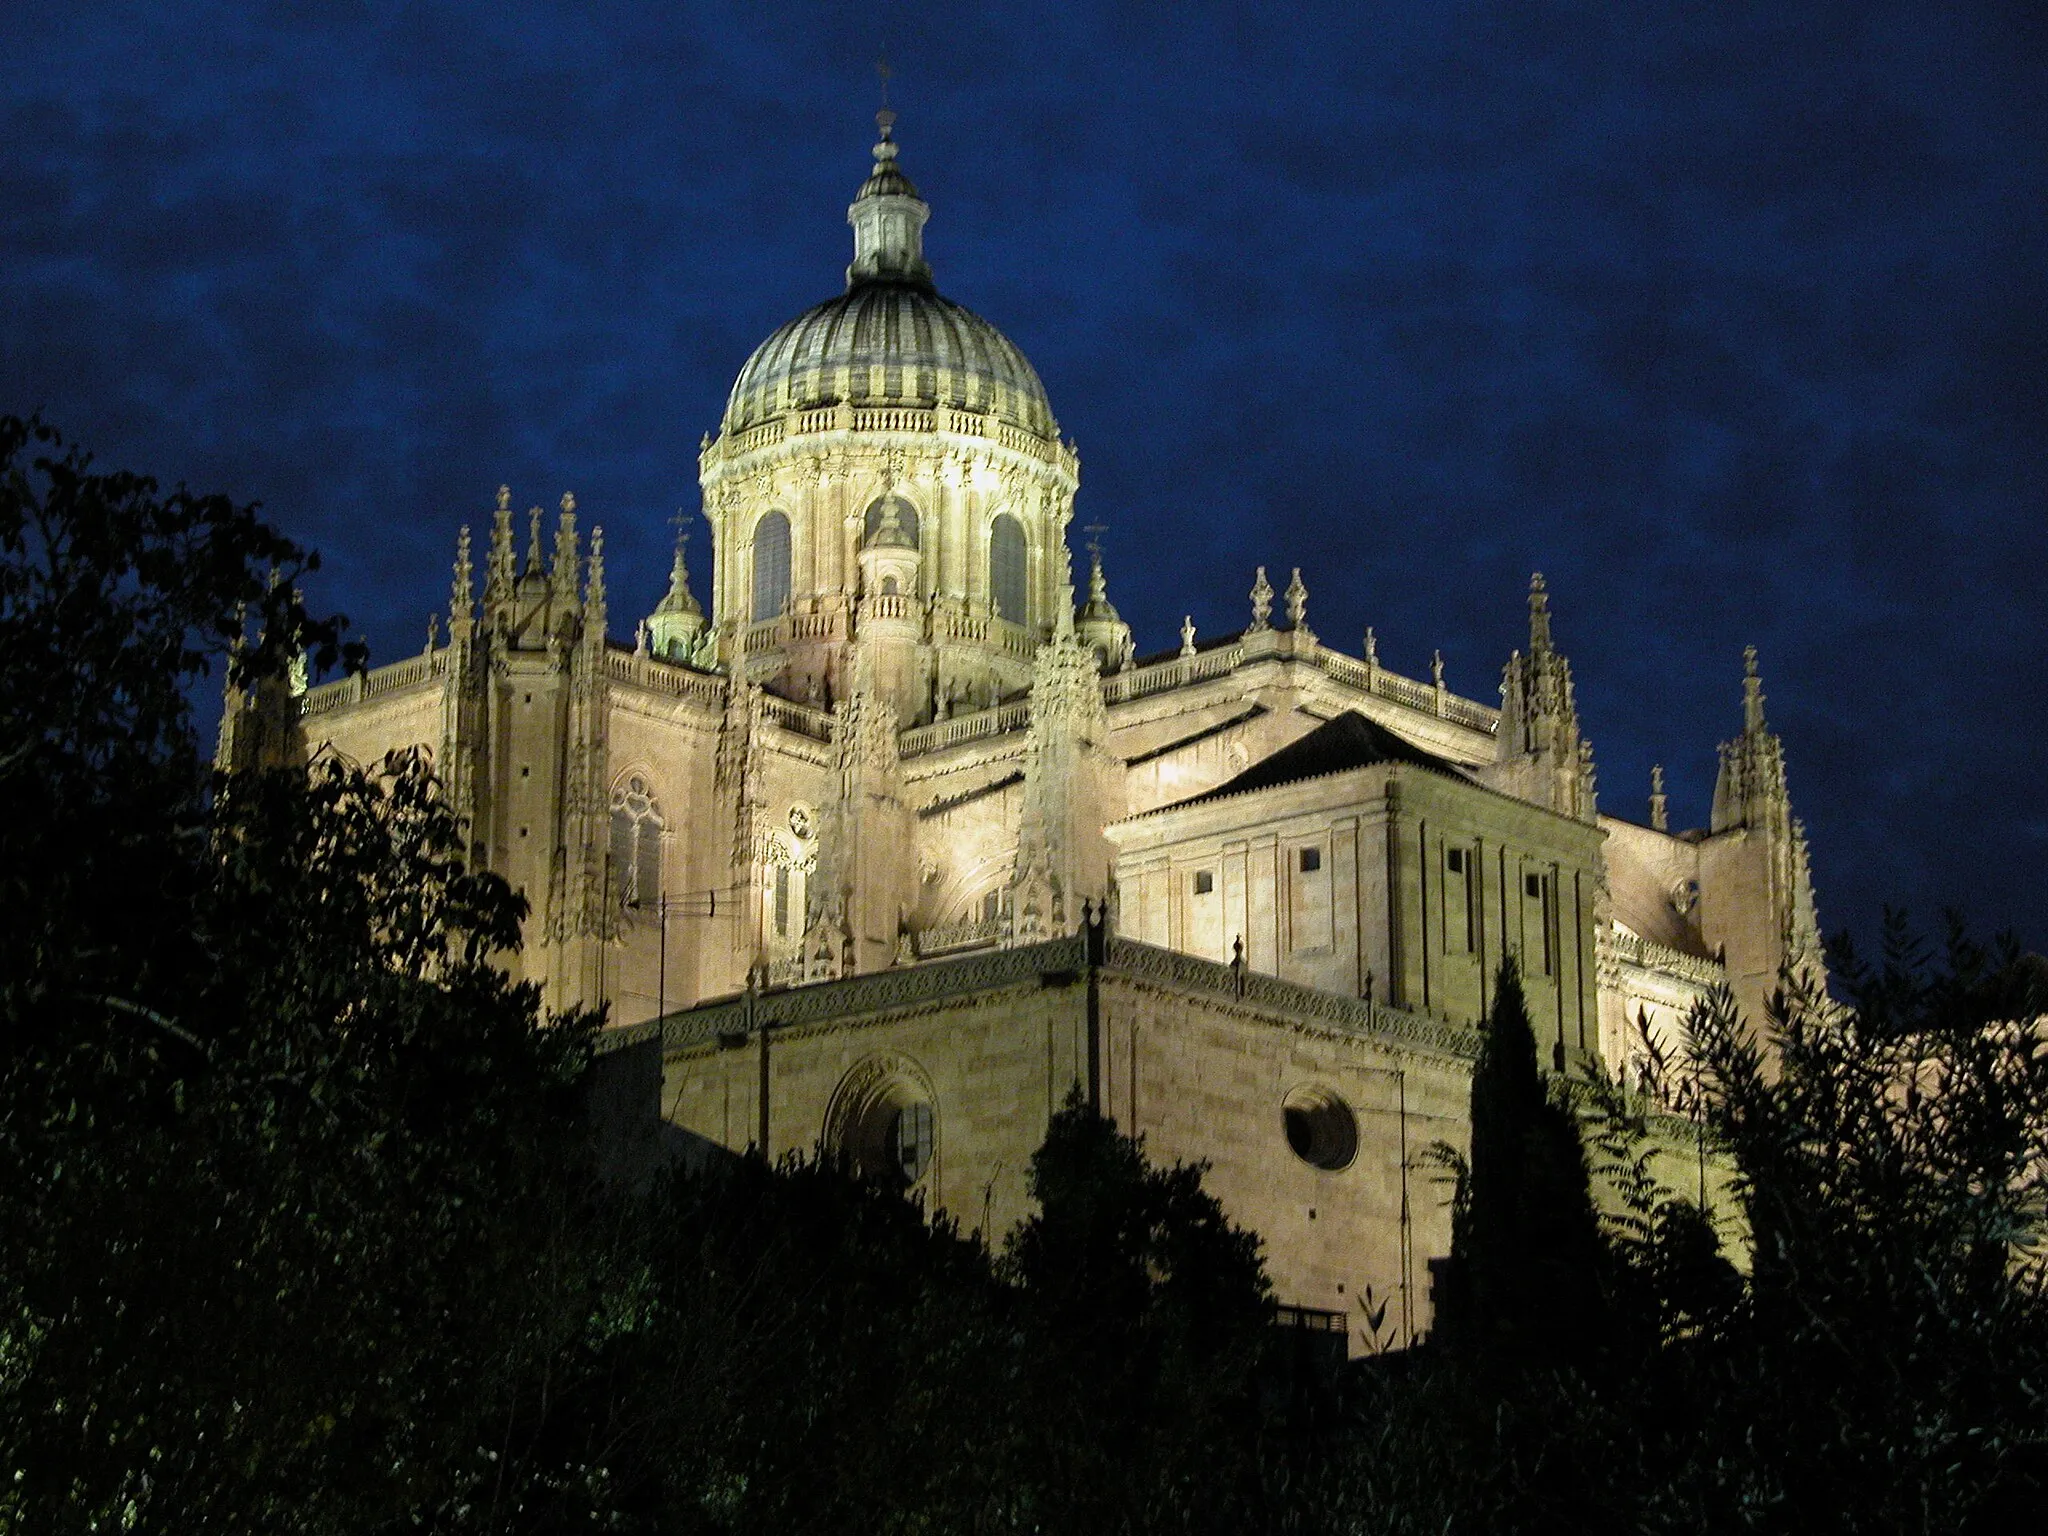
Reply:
x=569, y=502
x=1539, y=614
x=1262, y=602
x=885, y=119
x=533, y=537
x=1660, y=816
x=1098, y=587
x=433, y=631
x=461, y=589
x=1297, y=600
x=504, y=498
x=1372, y=647
x=1752, y=692
x=1436, y=668
x=1187, y=635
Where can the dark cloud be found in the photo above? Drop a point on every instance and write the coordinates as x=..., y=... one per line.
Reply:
x=1731, y=318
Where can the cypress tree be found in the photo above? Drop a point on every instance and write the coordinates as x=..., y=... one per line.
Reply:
x=1524, y=1285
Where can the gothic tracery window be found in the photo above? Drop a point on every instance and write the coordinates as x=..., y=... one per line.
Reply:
x=771, y=566
x=1006, y=567
x=636, y=845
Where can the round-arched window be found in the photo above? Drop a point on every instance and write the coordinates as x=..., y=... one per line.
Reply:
x=771, y=566
x=1006, y=568
x=1321, y=1128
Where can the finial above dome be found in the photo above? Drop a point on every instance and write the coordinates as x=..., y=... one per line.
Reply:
x=891, y=339
x=888, y=219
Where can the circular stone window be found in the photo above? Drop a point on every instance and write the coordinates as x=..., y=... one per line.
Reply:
x=1320, y=1128
x=883, y=1125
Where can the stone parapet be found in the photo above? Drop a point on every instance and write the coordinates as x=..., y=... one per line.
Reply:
x=1054, y=961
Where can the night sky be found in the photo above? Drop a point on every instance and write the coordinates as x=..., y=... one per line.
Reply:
x=1732, y=319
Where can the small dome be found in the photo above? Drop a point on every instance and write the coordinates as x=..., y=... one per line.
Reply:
x=891, y=339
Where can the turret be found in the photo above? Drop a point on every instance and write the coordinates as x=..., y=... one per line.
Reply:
x=888, y=219
x=1540, y=755
x=1098, y=624
x=1757, y=902
x=676, y=627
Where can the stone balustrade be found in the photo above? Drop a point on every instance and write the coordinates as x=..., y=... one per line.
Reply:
x=1630, y=949
x=914, y=420
x=396, y=678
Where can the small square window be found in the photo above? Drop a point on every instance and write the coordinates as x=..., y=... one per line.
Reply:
x=1454, y=861
x=1311, y=860
x=1205, y=882
x=1532, y=886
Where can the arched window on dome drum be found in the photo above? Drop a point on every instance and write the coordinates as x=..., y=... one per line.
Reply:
x=636, y=845
x=771, y=566
x=1006, y=568
x=906, y=519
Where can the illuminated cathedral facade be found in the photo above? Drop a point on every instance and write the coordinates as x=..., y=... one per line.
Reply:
x=893, y=838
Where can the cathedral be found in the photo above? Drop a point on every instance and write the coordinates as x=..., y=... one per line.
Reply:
x=893, y=839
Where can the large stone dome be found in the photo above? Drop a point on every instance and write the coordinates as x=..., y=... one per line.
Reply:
x=891, y=339
x=889, y=342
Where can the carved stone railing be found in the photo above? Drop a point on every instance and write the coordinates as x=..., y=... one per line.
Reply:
x=1630, y=949
x=950, y=733
x=765, y=635
x=1353, y=1014
x=891, y=605
x=801, y=718
x=907, y=986
x=668, y=677
x=1180, y=671
x=938, y=981
x=898, y=418
x=981, y=933
x=396, y=678
x=1175, y=672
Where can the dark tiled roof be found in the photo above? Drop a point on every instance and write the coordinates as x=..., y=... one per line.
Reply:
x=1349, y=741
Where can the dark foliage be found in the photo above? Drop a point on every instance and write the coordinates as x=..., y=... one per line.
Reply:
x=1149, y=1311
x=297, y=1231
x=1524, y=1284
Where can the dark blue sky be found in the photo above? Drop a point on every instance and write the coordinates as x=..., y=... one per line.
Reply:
x=1731, y=318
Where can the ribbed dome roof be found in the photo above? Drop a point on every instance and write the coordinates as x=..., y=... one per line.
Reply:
x=890, y=337
x=885, y=343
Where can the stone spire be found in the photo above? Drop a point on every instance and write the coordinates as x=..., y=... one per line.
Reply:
x=562, y=570
x=1750, y=789
x=1660, y=806
x=503, y=568
x=1064, y=759
x=534, y=557
x=1751, y=801
x=677, y=622
x=593, y=593
x=888, y=219
x=461, y=592
x=1539, y=753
